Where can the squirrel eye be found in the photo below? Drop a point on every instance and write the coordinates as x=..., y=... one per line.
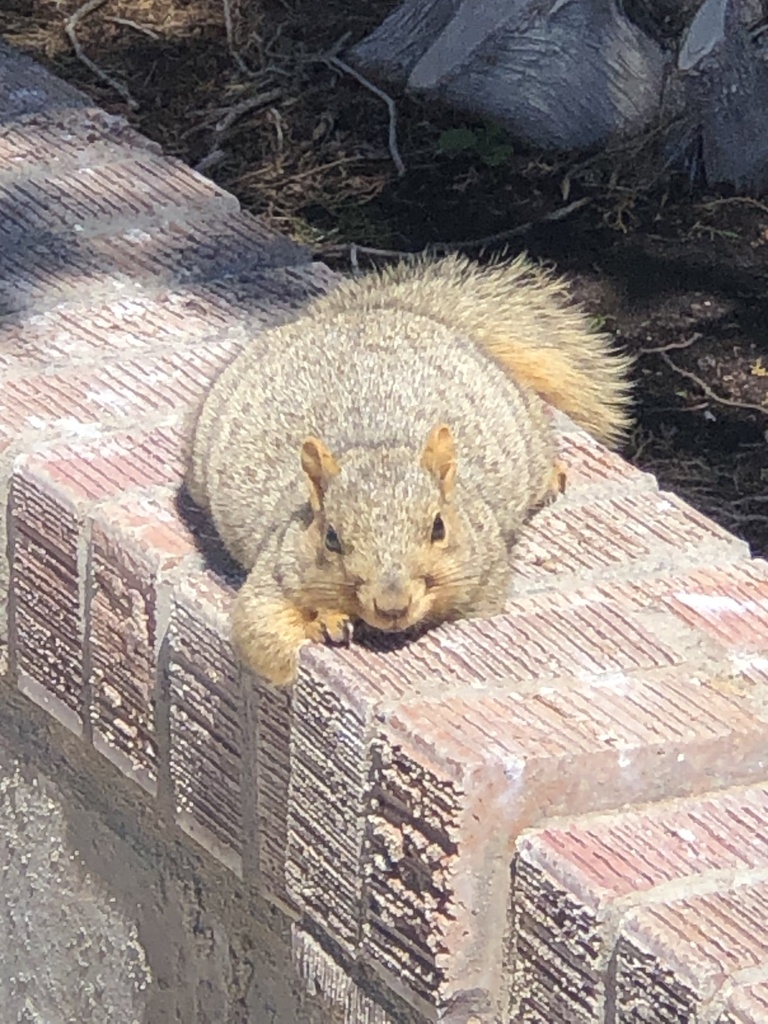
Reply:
x=438, y=529
x=332, y=541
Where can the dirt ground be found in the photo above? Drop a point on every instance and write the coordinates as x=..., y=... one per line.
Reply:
x=678, y=274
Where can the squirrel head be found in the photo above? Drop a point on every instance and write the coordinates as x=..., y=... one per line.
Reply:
x=388, y=544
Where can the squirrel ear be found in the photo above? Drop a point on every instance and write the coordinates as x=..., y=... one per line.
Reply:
x=319, y=465
x=439, y=457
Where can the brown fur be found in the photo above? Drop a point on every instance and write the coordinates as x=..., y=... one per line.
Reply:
x=376, y=459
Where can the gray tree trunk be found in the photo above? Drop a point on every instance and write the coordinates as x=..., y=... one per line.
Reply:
x=575, y=74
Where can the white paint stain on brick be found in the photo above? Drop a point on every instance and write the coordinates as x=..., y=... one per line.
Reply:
x=716, y=604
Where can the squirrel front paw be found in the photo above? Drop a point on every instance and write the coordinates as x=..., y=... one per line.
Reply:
x=272, y=657
x=267, y=634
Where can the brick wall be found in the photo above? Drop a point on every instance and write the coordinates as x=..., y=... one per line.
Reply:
x=554, y=815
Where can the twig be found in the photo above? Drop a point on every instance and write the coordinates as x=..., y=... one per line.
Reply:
x=730, y=200
x=672, y=345
x=210, y=160
x=353, y=249
x=522, y=229
x=216, y=154
x=144, y=29
x=231, y=45
x=712, y=395
x=262, y=99
x=70, y=27
x=335, y=62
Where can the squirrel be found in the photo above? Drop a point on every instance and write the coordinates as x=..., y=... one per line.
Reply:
x=375, y=458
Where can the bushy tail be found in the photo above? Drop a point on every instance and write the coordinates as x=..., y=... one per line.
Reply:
x=523, y=317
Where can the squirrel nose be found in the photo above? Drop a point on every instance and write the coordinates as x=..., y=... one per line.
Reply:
x=393, y=601
x=394, y=610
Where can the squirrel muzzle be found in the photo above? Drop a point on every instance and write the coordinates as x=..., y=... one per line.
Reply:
x=393, y=603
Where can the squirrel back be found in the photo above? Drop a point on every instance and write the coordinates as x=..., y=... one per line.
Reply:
x=376, y=458
x=519, y=314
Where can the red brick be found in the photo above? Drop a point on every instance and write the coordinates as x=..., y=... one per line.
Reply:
x=45, y=624
x=644, y=532
x=52, y=492
x=273, y=744
x=326, y=809
x=677, y=956
x=133, y=546
x=39, y=273
x=620, y=709
x=574, y=881
x=207, y=717
x=747, y=1003
x=734, y=613
x=63, y=139
x=230, y=747
x=107, y=464
x=117, y=394
x=89, y=200
x=547, y=638
x=517, y=759
x=592, y=469
x=78, y=332
x=211, y=246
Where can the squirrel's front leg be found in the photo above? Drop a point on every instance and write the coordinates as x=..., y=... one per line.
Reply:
x=268, y=630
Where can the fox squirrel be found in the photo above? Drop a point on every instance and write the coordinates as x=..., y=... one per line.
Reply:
x=376, y=458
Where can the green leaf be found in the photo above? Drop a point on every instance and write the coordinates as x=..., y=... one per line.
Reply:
x=456, y=140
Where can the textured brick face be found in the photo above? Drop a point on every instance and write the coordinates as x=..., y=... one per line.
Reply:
x=674, y=959
x=207, y=715
x=649, y=532
x=45, y=618
x=380, y=801
x=676, y=886
x=118, y=394
x=74, y=138
x=325, y=818
x=132, y=547
x=92, y=199
x=52, y=494
x=409, y=900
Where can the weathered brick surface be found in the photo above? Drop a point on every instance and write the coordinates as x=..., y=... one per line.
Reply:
x=150, y=322
x=675, y=959
x=45, y=623
x=113, y=394
x=89, y=200
x=574, y=885
x=323, y=976
x=54, y=140
x=650, y=532
x=52, y=493
x=592, y=470
x=272, y=737
x=133, y=546
x=747, y=1003
x=204, y=248
x=380, y=800
x=325, y=808
x=206, y=717
x=41, y=273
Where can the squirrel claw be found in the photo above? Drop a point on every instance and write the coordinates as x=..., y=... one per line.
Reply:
x=333, y=626
x=557, y=482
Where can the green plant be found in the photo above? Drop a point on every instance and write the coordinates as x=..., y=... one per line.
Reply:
x=488, y=143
